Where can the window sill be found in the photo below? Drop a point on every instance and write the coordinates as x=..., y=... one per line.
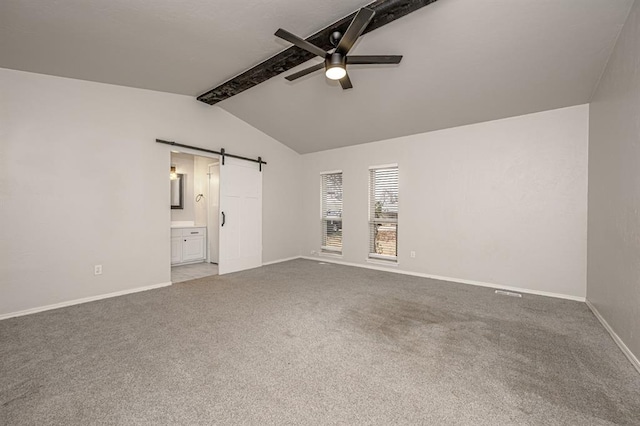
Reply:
x=331, y=255
x=393, y=263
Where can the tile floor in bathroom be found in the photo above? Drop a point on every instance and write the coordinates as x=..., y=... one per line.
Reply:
x=183, y=273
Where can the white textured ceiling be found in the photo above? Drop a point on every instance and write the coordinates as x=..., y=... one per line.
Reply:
x=465, y=61
x=184, y=47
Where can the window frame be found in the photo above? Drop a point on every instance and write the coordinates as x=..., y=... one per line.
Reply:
x=326, y=250
x=372, y=221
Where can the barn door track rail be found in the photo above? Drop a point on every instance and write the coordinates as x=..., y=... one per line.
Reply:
x=221, y=153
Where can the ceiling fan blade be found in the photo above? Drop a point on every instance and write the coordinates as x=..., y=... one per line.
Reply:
x=374, y=59
x=355, y=29
x=301, y=43
x=345, y=82
x=305, y=71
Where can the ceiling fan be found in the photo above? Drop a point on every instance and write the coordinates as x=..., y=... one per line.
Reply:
x=336, y=61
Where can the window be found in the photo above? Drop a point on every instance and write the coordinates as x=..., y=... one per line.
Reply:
x=331, y=213
x=383, y=212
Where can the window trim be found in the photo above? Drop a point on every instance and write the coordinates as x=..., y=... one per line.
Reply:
x=328, y=250
x=385, y=257
x=375, y=257
x=384, y=166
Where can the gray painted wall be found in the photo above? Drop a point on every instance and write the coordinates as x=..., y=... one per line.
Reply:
x=69, y=201
x=613, y=283
x=502, y=202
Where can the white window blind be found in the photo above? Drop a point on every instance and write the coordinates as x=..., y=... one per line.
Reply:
x=383, y=213
x=331, y=212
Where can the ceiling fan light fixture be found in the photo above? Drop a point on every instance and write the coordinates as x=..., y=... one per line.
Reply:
x=335, y=61
x=335, y=73
x=335, y=66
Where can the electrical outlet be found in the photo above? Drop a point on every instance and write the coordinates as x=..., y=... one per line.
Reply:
x=413, y=254
x=97, y=270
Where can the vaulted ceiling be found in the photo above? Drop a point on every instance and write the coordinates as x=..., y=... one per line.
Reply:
x=465, y=61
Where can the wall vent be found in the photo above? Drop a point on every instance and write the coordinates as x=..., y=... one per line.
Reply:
x=508, y=293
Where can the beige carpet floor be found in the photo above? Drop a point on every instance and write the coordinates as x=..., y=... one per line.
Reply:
x=305, y=343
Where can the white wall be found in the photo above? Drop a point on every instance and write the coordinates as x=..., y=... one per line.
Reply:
x=502, y=202
x=201, y=186
x=614, y=189
x=68, y=201
x=185, y=165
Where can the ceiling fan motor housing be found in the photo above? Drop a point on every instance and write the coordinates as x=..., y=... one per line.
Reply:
x=334, y=38
x=335, y=60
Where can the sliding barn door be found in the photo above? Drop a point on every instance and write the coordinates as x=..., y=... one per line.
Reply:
x=240, y=216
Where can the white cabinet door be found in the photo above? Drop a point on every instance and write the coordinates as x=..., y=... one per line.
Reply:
x=240, y=216
x=176, y=250
x=193, y=248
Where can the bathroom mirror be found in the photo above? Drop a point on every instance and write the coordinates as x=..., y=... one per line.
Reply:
x=177, y=189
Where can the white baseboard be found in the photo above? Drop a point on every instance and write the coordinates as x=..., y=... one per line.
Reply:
x=280, y=260
x=455, y=280
x=625, y=350
x=83, y=300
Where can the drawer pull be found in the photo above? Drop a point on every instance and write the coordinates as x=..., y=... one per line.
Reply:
x=194, y=232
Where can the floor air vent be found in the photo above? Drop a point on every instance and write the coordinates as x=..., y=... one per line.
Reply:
x=508, y=293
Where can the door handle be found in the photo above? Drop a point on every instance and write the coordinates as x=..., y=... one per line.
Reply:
x=223, y=219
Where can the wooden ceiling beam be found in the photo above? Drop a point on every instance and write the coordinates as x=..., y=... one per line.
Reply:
x=386, y=11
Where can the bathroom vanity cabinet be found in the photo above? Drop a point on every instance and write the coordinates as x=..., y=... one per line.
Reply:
x=188, y=245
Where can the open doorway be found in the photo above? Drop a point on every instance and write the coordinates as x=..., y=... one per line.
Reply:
x=194, y=216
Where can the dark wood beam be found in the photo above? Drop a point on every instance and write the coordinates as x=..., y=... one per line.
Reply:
x=386, y=11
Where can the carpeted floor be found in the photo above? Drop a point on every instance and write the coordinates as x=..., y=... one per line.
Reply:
x=305, y=343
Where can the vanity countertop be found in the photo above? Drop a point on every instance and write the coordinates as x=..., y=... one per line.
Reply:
x=185, y=224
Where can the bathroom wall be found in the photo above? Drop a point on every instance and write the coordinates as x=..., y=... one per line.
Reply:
x=196, y=181
x=185, y=165
x=201, y=186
